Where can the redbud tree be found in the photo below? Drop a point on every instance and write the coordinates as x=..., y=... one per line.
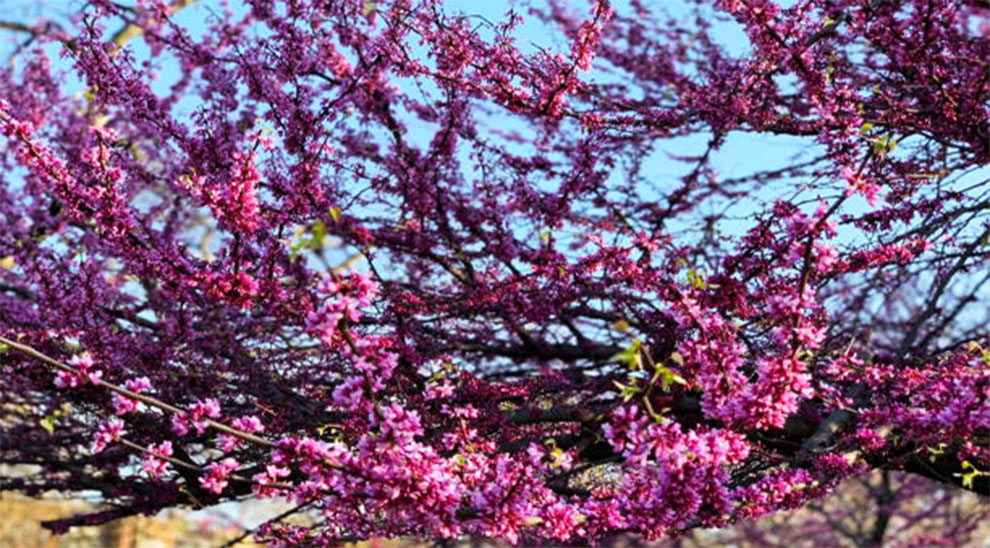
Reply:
x=421, y=273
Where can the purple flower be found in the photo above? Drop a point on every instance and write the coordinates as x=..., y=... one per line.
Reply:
x=154, y=466
x=108, y=432
x=217, y=473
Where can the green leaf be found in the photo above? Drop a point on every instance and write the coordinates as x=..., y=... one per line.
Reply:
x=968, y=477
x=936, y=452
x=319, y=231
x=884, y=144
x=666, y=377
x=627, y=392
x=630, y=356
x=696, y=280
x=48, y=423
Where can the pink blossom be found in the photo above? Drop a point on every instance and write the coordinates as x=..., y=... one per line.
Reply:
x=153, y=466
x=84, y=366
x=65, y=379
x=82, y=362
x=180, y=424
x=140, y=384
x=123, y=405
x=200, y=413
x=217, y=474
x=108, y=432
x=263, y=482
x=250, y=424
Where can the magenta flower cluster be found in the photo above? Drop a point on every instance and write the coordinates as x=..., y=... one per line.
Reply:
x=424, y=274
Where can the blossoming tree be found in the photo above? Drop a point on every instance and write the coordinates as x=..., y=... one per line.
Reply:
x=417, y=272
